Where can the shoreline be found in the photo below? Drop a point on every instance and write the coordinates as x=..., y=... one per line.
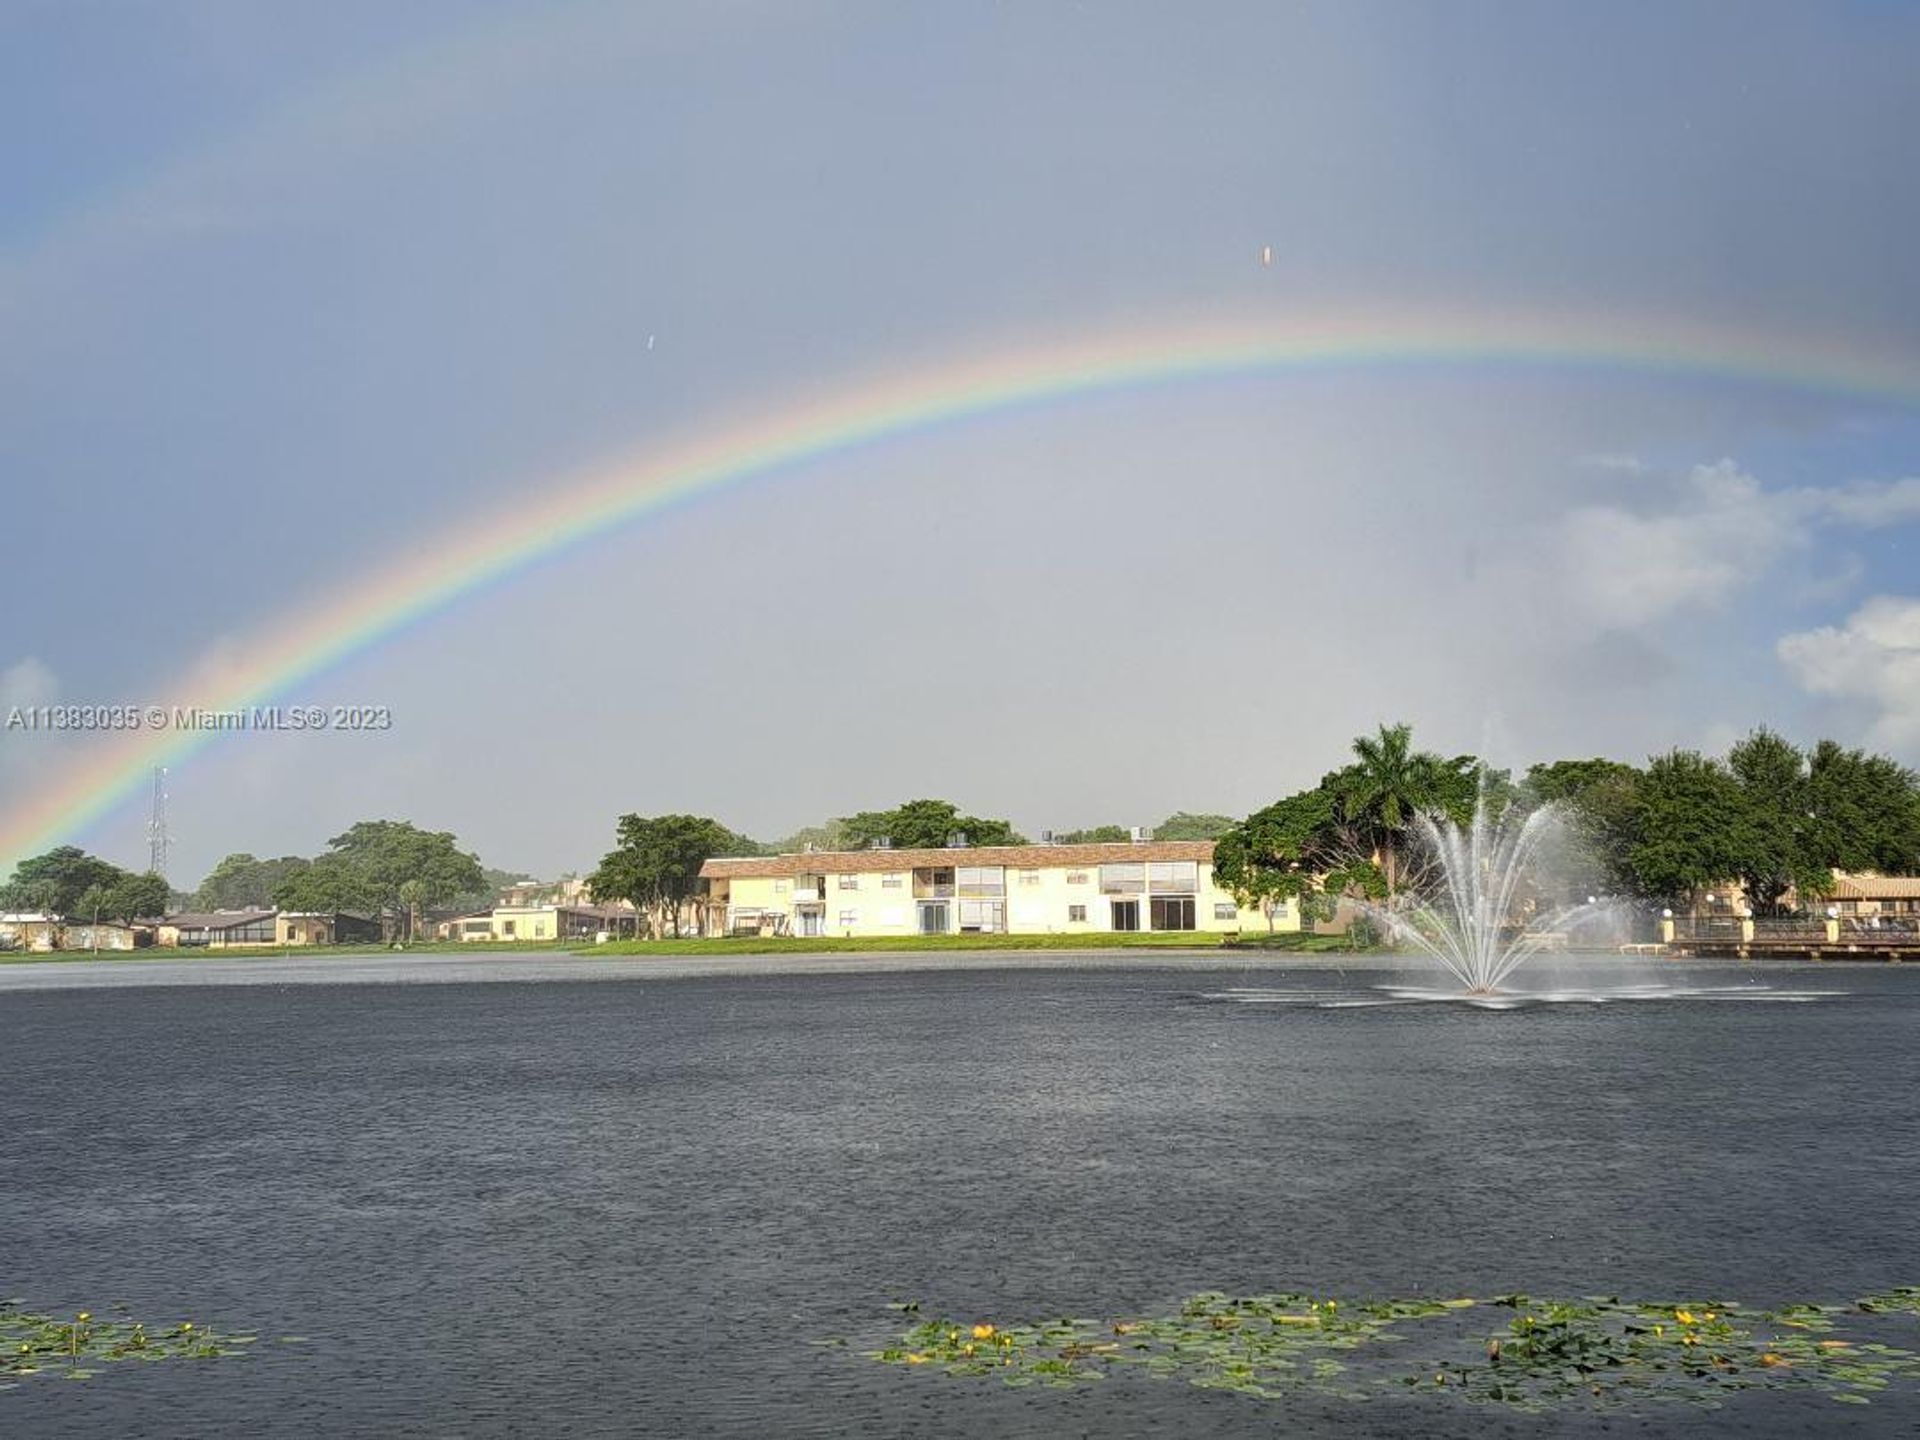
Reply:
x=534, y=966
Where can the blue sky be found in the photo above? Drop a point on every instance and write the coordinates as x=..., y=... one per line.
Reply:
x=286, y=292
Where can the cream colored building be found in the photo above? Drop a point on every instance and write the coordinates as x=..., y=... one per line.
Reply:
x=523, y=923
x=1162, y=886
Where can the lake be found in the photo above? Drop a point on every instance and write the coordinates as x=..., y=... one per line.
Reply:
x=612, y=1205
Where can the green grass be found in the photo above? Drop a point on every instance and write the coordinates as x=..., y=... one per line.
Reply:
x=730, y=945
x=273, y=952
x=868, y=944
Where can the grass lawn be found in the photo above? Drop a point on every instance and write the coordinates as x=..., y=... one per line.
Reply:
x=731, y=945
x=831, y=944
x=270, y=952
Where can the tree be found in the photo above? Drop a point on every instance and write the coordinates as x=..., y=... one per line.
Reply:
x=1184, y=826
x=1599, y=799
x=55, y=881
x=1777, y=850
x=145, y=896
x=1863, y=811
x=366, y=866
x=1390, y=784
x=655, y=864
x=924, y=825
x=1301, y=850
x=1690, y=820
x=240, y=882
x=829, y=835
x=1094, y=835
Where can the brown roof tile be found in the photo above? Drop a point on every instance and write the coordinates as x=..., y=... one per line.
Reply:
x=1876, y=887
x=1014, y=857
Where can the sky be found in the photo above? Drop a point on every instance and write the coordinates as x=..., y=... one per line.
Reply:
x=290, y=294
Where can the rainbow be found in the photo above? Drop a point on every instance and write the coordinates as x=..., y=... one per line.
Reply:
x=302, y=646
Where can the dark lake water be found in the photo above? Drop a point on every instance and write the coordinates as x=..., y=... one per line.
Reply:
x=628, y=1207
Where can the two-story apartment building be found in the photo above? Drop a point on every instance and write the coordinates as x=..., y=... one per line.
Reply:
x=1164, y=885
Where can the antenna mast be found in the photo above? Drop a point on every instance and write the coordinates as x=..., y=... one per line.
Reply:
x=157, y=836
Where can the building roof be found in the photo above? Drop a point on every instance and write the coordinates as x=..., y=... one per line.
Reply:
x=216, y=919
x=1014, y=857
x=1876, y=887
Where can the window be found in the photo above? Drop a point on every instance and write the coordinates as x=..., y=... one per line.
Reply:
x=1225, y=910
x=1127, y=879
x=1029, y=877
x=1076, y=877
x=891, y=882
x=1278, y=910
x=292, y=934
x=506, y=927
x=1174, y=877
x=849, y=918
x=987, y=916
x=849, y=882
x=1171, y=912
x=1076, y=914
x=779, y=887
x=980, y=880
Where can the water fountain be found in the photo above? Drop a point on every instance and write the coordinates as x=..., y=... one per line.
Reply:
x=1479, y=904
x=1469, y=911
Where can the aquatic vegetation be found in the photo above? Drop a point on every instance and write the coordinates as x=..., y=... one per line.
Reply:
x=1544, y=1353
x=74, y=1348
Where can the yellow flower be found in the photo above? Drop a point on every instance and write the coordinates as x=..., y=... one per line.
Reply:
x=1710, y=1317
x=85, y=1315
x=1683, y=1316
x=1771, y=1359
x=983, y=1332
x=966, y=1349
x=186, y=1324
x=916, y=1359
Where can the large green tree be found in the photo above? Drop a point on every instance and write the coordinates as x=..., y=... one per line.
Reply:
x=1777, y=840
x=1302, y=850
x=1863, y=810
x=1600, y=800
x=1390, y=785
x=655, y=864
x=57, y=881
x=924, y=825
x=241, y=882
x=366, y=867
x=1690, y=822
x=1182, y=825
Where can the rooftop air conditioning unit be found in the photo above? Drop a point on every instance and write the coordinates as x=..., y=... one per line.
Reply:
x=1046, y=837
x=957, y=840
x=1141, y=834
x=883, y=842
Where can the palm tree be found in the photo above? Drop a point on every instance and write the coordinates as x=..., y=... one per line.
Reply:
x=1390, y=785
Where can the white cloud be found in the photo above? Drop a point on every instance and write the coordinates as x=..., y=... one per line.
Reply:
x=1871, y=502
x=1874, y=658
x=1630, y=568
